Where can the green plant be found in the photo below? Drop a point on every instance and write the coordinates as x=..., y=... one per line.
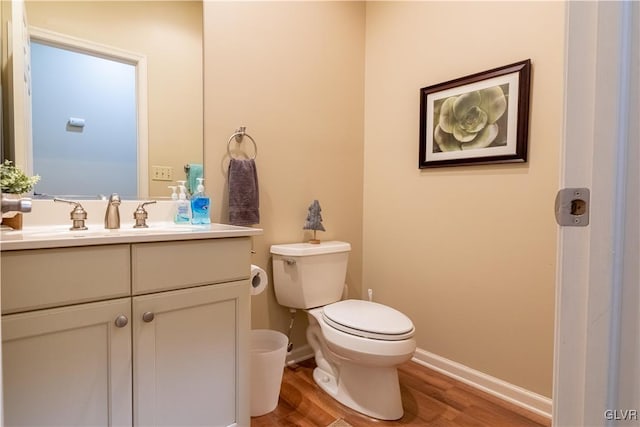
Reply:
x=14, y=181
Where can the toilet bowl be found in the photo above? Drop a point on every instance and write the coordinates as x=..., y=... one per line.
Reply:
x=360, y=371
x=357, y=344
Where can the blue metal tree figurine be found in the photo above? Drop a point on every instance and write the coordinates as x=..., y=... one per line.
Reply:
x=314, y=221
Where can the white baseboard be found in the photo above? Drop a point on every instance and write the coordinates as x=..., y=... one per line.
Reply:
x=299, y=354
x=531, y=401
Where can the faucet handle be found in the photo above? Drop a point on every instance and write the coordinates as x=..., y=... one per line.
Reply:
x=78, y=215
x=143, y=204
x=141, y=215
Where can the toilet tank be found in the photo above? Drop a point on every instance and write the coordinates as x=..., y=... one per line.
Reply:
x=309, y=275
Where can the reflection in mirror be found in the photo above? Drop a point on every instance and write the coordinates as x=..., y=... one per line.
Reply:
x=85, y=120
x=168, y=35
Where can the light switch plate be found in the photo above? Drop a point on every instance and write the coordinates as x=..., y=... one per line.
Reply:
x=161, y=173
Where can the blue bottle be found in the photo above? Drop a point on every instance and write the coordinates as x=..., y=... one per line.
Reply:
x=200, y=205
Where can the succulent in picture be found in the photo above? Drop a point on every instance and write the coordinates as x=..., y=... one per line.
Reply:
x=14, y=181
x=468, y=121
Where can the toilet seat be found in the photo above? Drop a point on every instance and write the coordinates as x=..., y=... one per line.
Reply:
x=369, y=320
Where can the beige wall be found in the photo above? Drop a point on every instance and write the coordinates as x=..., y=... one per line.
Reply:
x=169, y=33
x=293, y=73
x=468, y=253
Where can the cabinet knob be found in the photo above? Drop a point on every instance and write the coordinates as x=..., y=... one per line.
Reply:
x=121, y=321
x=147, y=316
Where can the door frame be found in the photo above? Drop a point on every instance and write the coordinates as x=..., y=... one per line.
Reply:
x=139, y=61
x=593, y=262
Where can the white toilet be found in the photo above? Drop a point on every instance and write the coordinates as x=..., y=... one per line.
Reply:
x=358, y=344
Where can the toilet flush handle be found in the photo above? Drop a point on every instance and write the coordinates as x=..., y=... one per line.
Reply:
x=290, y=261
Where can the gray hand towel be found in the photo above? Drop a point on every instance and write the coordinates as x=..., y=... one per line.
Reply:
x=244, y=201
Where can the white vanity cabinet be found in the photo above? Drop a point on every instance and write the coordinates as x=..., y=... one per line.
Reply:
x=187, y=361
x=68, y=366
x=144, y=334
x=191, y=344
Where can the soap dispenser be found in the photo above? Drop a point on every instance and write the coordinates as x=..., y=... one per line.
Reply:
x=183, y=210
x=200, y=205
x=174, y=202
x=174, y=194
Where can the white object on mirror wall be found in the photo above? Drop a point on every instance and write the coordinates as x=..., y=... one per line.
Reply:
x=77, y=122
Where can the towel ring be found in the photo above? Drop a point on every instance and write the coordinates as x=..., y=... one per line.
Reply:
x=238, y=136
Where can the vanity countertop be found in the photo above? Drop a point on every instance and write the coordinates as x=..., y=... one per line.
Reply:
x=59, y=236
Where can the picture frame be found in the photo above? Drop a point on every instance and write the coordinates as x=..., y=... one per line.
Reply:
x=477, y=119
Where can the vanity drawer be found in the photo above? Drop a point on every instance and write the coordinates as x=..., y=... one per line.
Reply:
x=42, y=278
x=163, y=266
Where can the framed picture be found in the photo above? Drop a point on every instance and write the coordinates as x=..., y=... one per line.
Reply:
x=477, y=119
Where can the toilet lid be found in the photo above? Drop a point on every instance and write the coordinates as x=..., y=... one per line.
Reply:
x=368, y=319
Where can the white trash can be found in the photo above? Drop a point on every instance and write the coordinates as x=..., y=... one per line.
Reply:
x=268, y=354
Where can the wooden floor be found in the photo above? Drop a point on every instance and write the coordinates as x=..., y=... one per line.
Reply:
x=429, y=399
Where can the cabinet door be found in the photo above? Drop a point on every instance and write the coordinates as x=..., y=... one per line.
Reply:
x=191, y=356
x=68, y=366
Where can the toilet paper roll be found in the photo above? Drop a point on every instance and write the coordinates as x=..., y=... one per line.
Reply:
x=259, y=280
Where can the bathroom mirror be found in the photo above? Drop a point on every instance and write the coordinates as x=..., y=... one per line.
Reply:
x=168, y=36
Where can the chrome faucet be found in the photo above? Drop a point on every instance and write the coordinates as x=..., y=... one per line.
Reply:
x=112, y=215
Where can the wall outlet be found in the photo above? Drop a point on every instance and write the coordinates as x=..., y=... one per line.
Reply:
x=161, y=173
